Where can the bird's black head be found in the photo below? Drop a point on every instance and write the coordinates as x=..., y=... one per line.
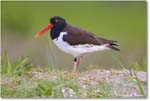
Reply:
x=56, y=25
x=58, y=21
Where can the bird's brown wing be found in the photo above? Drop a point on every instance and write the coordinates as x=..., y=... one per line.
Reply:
x=78, y=36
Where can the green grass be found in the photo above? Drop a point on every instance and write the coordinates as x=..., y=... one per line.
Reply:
x=21, y=79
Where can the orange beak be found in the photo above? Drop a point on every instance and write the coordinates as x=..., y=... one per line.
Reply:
x=45, y=29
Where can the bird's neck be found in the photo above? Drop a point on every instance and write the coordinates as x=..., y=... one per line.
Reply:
x=56, y=30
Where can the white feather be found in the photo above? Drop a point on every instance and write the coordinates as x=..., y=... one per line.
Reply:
x=77, y=50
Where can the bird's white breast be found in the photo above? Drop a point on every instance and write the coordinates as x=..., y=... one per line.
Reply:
x=76, y=50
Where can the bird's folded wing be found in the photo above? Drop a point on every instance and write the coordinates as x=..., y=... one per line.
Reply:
x=78, y=36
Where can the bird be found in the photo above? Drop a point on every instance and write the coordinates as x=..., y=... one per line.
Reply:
x=74, y=40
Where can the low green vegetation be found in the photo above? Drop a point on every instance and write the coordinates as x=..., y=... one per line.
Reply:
x=21, y=79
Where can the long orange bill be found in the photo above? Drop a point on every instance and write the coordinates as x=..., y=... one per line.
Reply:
x=45, y=29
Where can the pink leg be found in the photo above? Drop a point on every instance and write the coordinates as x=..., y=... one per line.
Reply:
x=76, y=64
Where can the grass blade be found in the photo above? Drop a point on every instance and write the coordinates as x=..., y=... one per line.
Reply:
x=8, y=64
x=139, y=85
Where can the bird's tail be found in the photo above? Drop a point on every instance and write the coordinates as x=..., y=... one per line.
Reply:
x=113, y=46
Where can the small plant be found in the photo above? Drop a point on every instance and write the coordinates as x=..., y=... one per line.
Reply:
x=17, y=68
x=21, y=65
x=45, y=88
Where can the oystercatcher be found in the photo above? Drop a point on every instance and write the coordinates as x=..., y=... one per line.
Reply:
x=74, y=40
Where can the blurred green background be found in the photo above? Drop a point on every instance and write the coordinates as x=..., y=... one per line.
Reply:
x=125, y=22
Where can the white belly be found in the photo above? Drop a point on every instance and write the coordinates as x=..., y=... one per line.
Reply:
x=76, y=50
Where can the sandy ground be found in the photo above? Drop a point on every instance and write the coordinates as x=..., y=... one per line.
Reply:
x=116, y=83
x=122, y=83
